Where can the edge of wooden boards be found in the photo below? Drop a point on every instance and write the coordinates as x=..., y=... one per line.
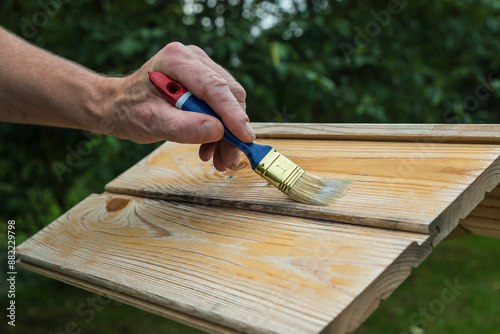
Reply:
x=437, y=133
x=142, y=304
x=468, y=200
x=484, y=220
x=381, y=288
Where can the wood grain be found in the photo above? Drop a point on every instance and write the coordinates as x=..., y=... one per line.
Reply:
x=134, y=301
x=381, y=288
x=435, y=133
x=398, y=185
x=245, y=271
x=468, y=200
x=234, y=255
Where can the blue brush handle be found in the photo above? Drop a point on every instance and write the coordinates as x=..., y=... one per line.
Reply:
x=254, y=152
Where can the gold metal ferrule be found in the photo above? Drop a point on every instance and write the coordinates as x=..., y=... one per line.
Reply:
x=278, y=170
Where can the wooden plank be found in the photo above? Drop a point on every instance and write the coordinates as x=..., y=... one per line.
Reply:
x=398, y=185
x=142, y=304
x=436, y=133
x=245, y=271
x=381, y=288
x=467, y=200
x=484, y=220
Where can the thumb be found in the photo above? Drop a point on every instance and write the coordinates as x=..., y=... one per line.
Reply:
x=190, y=127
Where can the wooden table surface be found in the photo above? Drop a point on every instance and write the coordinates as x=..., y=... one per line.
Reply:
x=226, y=253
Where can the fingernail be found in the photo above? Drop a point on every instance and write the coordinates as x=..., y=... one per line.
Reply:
x=249, y=130
x=209, y=131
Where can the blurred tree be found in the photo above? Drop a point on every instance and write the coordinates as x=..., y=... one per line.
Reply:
x=299, y=60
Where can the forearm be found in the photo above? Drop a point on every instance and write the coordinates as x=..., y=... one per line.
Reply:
x=38, y=87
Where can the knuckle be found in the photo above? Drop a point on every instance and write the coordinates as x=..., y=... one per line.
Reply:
x=197, y=50
x=216, y=80
x=177, y=56
x=213, y=80
x=173, y=54
x=238, y=91
x=174, y=48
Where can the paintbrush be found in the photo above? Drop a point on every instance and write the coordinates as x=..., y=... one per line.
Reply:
x=266, y=161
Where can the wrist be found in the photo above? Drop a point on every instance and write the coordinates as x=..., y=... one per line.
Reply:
x=103, y=94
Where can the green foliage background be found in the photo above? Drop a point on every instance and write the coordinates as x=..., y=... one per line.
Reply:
x=423, y=64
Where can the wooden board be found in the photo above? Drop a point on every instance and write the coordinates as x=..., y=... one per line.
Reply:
x=226, y=269
x=135, y=301
x=435, y=133
x=484, y=220
x=398, y=185
x=235, y=255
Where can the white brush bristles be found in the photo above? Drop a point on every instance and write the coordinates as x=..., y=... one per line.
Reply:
x=316, y=190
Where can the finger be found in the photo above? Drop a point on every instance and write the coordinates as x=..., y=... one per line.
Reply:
x=217, y=160
x=235, y=87
x=214, y=90
x=169, y=123
x=208, y=85
x=230, y=155
x=207, y=151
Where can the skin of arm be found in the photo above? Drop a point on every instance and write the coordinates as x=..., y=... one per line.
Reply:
x=37, y=87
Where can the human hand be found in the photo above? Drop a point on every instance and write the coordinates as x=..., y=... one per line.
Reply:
x=137, y=111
